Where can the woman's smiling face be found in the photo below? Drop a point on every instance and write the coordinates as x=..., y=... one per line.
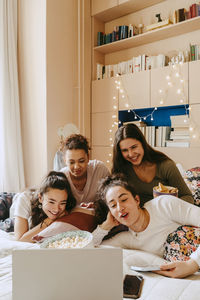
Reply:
x=132, y=151
x=123, y=206
x=54, y=203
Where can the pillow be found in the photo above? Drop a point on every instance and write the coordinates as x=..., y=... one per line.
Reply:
x=181, y=243
x=192, y=179
x=79, y=219
x=5, y=204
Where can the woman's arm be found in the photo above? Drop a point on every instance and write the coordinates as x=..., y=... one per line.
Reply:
x=174, y=178
x=102, y=230
x=24, y=235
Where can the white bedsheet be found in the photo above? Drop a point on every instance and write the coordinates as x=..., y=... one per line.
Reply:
x=7, y=245
x=155, y=287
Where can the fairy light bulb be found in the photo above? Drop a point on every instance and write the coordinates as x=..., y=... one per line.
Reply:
x=161, y=102
x=113, y=125
x=110, y=139
x=115, y=107
x=181, y=81
x=181, y=100
x=119, y=122
x=121, y=91
x=110, y=154
x=129, y=111
x=191, y=128
x=177, y=74
x=123, y=96
x=156, y=108
x=135, y=117
x=117, y=87
x=114, y=97
x=108, y=161
x=160, y=91
x=194, y=136
x=151, y=118
x=114, y=116
x=168, y=77
x=169, y=83
x=127, y=105
x=110, y=130
x=179, y=91
x=144, y=118
x=116, y=81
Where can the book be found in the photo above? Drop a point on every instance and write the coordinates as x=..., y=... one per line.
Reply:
x=165, y=135
x=177, y=143
x=180, y=121
x=159, y=136
x=181, y=14
x=179, y=137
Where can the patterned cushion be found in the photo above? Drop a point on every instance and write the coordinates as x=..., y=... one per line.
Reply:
x=5, y=204
x=192, y=179
x=181, y=243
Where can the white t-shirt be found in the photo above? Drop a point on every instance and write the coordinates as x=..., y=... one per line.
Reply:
x=166, y=214
x=96, y=170
x=22, y=206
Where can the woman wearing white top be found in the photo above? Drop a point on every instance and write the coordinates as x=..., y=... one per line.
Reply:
x=149, y=226
x=83, y=174
x=34, y=211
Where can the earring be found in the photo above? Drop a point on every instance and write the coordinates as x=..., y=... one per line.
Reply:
x=39, y=206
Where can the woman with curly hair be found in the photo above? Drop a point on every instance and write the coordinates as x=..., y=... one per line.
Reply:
x=36, y=210
x=83, y=174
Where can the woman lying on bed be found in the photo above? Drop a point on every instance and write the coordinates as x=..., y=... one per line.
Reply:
x=149, y=226
x=35, y=211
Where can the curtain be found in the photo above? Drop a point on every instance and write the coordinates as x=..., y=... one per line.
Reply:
x=11, y=157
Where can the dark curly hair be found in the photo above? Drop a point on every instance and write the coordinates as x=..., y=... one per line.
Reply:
x=132, y=131
x=54, y=180
x=100, y=205
x=77, y=141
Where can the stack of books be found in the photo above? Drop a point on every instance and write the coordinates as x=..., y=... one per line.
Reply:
x=180, y=134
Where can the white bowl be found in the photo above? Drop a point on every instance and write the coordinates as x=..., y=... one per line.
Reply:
x=69, y=239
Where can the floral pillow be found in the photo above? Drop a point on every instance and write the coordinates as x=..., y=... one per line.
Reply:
x=192, y=179
x=181, y=243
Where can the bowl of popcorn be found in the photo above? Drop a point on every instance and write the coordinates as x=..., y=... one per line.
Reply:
x=69, y=239
x=161, y=189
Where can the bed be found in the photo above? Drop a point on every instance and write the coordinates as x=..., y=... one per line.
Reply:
x=155, y=287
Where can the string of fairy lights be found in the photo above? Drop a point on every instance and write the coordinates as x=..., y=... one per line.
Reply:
x=173, y=79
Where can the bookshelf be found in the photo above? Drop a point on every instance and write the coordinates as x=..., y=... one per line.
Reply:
x=165, y=40
x=169, y=31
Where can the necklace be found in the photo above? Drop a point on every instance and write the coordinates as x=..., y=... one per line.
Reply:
x=144, y=222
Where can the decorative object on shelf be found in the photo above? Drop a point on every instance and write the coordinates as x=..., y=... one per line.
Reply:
x=140, y=28
x=159, y=17
x=158, y=25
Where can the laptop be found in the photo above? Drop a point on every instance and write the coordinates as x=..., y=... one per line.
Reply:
x=68, y=274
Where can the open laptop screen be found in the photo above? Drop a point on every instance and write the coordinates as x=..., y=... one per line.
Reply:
x=62, y=274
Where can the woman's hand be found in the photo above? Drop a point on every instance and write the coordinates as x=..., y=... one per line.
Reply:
x=87, y=205
x=109, y=223
x=179, y=269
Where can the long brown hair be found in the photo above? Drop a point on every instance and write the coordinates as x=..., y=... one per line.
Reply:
x=132, y=131
x=54, y=180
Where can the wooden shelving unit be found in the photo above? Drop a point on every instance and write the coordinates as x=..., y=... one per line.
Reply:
x=124, y=9
x=151, y=36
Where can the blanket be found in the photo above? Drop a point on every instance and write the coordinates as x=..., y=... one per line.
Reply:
x=155, y=287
